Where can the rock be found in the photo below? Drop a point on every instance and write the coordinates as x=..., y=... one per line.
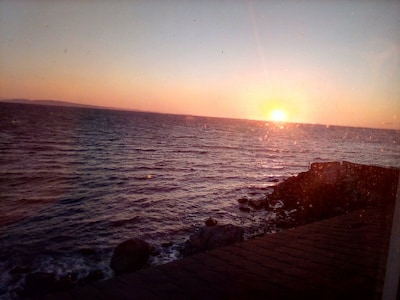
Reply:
x=154, y=251
x=66, y=282
x=273, y=204
x=20, y=270
x=332, y=188
x=208, y=238
x=244, y=208
x=38, y=283
x=284, y=220
x=257, y=203
x=211, y=222
x=167, y=244
x=93, y=276
x=130, y=255
x=42, y=283
x=243, y=200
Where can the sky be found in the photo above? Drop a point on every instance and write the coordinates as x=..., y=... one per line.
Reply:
x=325, y=62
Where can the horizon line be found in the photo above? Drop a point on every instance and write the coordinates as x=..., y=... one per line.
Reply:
x=63, y=103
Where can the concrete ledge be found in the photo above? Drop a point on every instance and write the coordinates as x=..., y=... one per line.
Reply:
x=343, y=257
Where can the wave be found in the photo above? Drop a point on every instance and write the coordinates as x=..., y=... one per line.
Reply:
x=123, y=222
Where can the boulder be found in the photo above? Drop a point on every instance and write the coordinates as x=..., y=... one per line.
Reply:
x=130, y=255
x=211, y=222
x=257, y=203
x=208, y=238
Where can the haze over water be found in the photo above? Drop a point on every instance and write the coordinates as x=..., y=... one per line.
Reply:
x=75, y=182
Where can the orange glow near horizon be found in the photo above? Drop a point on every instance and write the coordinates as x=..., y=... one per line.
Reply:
x=169, y=58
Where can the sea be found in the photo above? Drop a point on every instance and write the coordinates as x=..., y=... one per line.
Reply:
x=76, y=182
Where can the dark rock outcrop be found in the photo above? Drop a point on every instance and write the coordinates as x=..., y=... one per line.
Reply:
x=208, y=238
x=332, y=188
x=130, y=255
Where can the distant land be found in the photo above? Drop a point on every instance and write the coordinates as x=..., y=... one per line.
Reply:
x=54, y=103
x=72, y=104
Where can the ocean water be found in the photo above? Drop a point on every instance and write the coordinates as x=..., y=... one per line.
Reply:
x=75, y=182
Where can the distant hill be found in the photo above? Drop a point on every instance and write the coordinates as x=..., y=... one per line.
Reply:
x=52, y=103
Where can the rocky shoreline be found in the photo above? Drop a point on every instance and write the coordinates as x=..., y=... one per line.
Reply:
x=325, y=190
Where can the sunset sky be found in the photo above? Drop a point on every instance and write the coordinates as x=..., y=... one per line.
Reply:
x=328, y=62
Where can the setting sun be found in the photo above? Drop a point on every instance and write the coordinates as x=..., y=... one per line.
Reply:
x=278, y=115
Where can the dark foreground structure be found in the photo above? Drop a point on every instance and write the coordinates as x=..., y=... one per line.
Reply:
x=341, y=257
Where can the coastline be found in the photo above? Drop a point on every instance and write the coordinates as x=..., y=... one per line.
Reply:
x=325, y=190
